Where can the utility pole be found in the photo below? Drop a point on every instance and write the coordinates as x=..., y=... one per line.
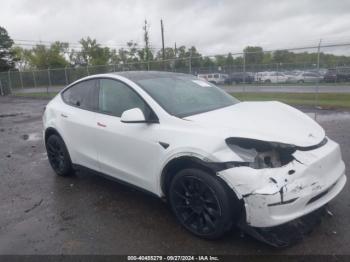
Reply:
x=243, y=67
x=318, y=68
x=190, y=62
x=318, y=54
x=175, y=53
x=146, y=39
x=162, y=30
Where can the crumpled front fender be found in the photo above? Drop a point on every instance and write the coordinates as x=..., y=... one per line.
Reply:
x=276, y=195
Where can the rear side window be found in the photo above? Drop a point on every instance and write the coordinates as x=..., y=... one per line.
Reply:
x=83, y=95
x=115, y=98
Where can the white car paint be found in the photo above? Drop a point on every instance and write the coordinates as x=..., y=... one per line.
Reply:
x=216, y=78
x=132, y=153
x=273, y=77
x=305, y=77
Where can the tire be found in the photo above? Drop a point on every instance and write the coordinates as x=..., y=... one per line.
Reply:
x=58, y=156
x=267, y=81
x=300, y=81
x=202, y=203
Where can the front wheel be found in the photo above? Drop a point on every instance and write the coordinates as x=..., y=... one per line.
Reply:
x=202, y=203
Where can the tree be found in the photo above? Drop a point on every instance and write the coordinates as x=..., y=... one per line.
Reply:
x=146, y=53
x=7, y=55
x=123, y=55
x=229, y=60
x=253, y=55
x=220, y=60
x=21, y=57
x=282, y=56
x=132, y=55
x=208, y=62
x=92, y=53
x=43, y=57
x=169, y=54
x=115, y=58
x=195, y=56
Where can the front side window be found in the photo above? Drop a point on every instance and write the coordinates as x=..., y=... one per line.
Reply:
x=115, y=98
x=83, y=95
x=185, y=95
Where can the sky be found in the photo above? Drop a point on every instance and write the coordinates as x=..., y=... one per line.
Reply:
x=214, y=27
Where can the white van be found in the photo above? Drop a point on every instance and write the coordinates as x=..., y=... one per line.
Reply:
x=217, y=78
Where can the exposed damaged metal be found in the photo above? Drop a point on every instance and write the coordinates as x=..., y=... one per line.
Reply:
x=261, y=154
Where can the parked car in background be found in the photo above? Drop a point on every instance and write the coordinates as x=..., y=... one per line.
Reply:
x=259, y=75
x=330, y=76
x=240, y=77
x=217, y=78
x=321, y=71
x=343, y=74
x=273, y=77
x=306, y=77
x=292, y=73
x=339, y=74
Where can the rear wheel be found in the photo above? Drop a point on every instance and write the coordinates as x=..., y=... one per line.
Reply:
x=58, y=156
x=202, y=203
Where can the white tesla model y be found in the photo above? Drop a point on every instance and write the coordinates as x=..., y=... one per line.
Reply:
x=214, y=158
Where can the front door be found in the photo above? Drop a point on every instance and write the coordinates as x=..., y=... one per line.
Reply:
x=127, y=151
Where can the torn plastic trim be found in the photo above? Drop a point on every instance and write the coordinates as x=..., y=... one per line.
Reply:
x=219, y=166
x=283, y=202
x=263, y=154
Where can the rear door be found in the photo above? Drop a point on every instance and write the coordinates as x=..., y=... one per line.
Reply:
x=78, y=122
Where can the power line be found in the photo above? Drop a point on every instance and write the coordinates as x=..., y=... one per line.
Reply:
x=39, y=42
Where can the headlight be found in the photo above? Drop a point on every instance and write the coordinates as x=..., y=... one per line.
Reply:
x=260, y=154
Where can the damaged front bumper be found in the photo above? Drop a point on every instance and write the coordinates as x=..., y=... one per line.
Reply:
x=273, y=196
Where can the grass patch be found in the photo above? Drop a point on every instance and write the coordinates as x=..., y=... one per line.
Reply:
x=330, y=100
x=326, y=100
x=290, y=84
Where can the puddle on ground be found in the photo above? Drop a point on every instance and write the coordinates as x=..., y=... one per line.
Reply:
x=333, y=116
x=32, y=137
x=329, y=116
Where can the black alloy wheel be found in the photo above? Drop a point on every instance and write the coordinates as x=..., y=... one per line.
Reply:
x=58, y=156
x=201, y=203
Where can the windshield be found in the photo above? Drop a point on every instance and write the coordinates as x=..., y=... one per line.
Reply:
x=185, y=95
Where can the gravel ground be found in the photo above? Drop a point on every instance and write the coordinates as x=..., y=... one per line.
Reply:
x=87, y=214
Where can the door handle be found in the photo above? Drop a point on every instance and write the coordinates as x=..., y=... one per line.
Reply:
x=63, y=115
x=101, y=125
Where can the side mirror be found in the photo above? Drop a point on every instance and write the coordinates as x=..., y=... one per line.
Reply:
x=134, y=115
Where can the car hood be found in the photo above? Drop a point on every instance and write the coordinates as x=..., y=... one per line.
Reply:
x=267, y=121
